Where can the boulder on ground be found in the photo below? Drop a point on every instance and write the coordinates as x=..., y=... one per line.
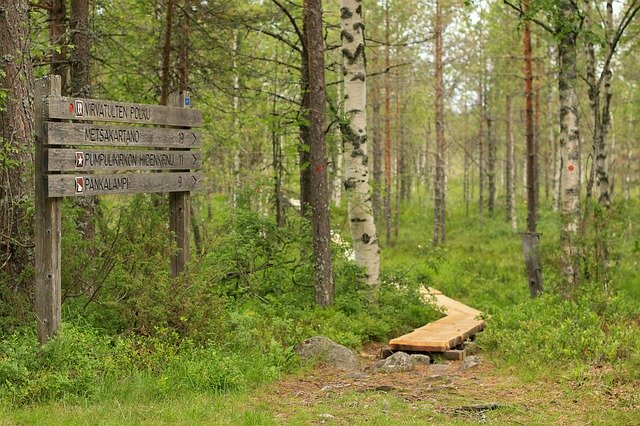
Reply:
x=421, y=359
x=470, y=362
x=396, y=363
x=324, y=350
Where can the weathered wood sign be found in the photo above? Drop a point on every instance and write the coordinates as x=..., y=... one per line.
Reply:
x=60, y=133
x=88, y=147
x=79, y=160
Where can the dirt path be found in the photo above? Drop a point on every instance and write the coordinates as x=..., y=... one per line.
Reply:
x=442, y=393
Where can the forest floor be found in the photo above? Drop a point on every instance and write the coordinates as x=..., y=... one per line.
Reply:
x=441, y=393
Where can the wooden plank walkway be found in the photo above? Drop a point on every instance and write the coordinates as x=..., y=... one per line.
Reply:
x=461, y=323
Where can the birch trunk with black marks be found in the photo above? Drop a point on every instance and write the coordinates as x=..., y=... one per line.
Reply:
x=338, y=151
x=387, y=130
x=354, y=131
x=16, y=142
x=569, y=139
x=318, y=187
x=377, y=153
x=602, y=166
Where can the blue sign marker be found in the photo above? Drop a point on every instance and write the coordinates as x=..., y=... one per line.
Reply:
x=187, y=101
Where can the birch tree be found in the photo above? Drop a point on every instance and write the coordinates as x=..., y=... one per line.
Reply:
x=361, y=222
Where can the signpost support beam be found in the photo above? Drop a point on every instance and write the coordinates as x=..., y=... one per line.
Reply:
x=180, y=208
x=47, y=223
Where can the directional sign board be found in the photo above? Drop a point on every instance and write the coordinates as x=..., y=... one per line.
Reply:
x=120, y=112
x=123, y=183
x=118, y=135
x=88, y=147
x=70, y=160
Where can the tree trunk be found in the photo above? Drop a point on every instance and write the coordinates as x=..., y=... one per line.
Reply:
x=532, y=210
x=354, y=130
x=166, y=53
x=338, y=150
x=377, y=153
x=439, y=228
x=58, y=40
x=16, y=147
x=318, y=190
x=237, y=155
x=387, y=131
x=483, y=115
x=80, y=55
x=569, y=139
x=511, y=170
x=491, y=165
x=602, y=167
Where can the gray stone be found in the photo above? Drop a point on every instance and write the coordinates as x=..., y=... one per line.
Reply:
x=396, y=363
x=470, y=362
x=421, y=359
x=325, y=350
x=439, y=369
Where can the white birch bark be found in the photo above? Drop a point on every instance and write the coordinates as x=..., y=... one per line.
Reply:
x=357, y=188
x=339, y=161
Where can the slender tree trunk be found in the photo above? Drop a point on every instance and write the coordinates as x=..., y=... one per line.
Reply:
x=361, y=221
x=602, y=167
x=532, y=211
x=399, y=166
x=80, y=55
x=569, y=140
x=439, y=228
x=483, y=115
x=237, y=155
x=81, y=86
x=511, y=169
x=166, y=53
x=16, y=142
x=59, y=41
x=304, y=157
x=387, y=131
x=377, y=153
x=491, y=165
x=338, y=159
x=318, y=188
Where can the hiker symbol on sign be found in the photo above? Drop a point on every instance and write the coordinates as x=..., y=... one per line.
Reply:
x=79, y=185
x=79, y=160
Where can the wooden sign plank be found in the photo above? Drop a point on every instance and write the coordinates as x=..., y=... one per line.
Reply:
x=121, y=112
x=67, y=134
x=75, y=160
x=78, y=185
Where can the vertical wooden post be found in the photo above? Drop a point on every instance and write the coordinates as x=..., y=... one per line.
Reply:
x=47, y=222
x=179, y=208
x=531, y=246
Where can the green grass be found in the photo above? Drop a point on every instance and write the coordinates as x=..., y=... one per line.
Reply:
x=553, y=360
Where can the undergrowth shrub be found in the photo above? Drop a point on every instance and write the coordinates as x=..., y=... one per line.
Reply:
x=548, y=332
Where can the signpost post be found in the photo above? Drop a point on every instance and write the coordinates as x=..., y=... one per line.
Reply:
x=90, y=147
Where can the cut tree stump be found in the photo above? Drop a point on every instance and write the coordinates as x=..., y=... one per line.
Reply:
x=446, y=334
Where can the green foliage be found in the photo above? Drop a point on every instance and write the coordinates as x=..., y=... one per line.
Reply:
x=550, y=332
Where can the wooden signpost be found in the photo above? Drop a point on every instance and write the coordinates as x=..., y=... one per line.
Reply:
x=88, y=147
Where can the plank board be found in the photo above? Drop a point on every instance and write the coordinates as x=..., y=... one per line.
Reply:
x=460, y=323
x=78, y=185
x=75, y=160
x=121, y=112
x=67, y=134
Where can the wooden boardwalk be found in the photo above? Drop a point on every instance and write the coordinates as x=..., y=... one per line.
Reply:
x=460, y=323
